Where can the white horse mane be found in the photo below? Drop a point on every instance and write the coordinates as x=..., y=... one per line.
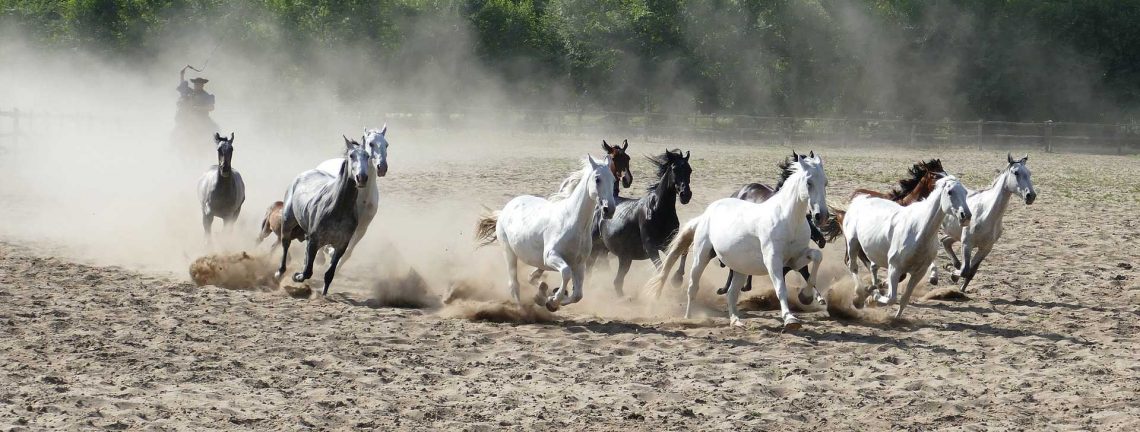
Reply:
x=566, y=188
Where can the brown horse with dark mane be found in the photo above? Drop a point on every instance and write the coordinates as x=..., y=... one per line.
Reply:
x=619, y=164
x=916, y=187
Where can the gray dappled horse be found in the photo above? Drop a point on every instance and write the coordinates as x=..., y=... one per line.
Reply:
x=221, y=190
x=320, y=209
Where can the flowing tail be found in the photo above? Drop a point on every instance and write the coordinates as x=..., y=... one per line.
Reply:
x=677, y=248
x=485, y=229
x=834, y=227
x=271, y=223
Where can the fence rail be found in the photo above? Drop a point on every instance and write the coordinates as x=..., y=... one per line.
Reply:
x=1048, y=136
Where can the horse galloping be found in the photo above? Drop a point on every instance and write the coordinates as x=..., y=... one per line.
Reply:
x=988, y=207
x=552, y=234
x=756, y=239
x=367, y=201
x=640, y=228
x=320, y=209
x=221, y=190
x=882, y=233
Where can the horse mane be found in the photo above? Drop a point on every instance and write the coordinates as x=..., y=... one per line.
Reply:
x=566, y=188
x=916, y=172
x=663, y=162
x=786, y=171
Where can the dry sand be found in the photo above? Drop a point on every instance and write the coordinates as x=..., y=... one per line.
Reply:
x=415, y=334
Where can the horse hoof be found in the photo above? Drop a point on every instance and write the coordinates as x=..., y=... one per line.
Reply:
x=933, y=280
x=954, y=278
x=805, y=299
x=277, y=276
x=552, y=305
x=721, y=291
x=746, y=288
x=298, y=277
x=735, y=322
x=542, y=288
x=791, y=323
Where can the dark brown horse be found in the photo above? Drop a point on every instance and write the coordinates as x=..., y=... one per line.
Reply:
x=923, y=176
x=619, y=164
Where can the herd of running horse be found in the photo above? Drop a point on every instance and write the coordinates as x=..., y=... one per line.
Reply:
x=759, y=230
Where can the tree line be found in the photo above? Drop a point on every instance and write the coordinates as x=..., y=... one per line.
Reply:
x=1017, y=60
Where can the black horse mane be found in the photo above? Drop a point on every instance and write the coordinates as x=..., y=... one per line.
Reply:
x=786, y=171
x=917, y=172
x=663, y=162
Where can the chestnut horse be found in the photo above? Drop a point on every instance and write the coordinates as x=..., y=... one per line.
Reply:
x=923, y=178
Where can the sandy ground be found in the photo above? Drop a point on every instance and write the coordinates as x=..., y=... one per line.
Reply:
x=1046, y=341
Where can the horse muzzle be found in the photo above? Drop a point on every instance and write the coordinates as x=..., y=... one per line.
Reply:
x=1030, y=197
x=964, y=217
x=382, y=169
x=686, y=195
x=361, y=180
x=627, y=179
x=607, y=211
x=820, y=218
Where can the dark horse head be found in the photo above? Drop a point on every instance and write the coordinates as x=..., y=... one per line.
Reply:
x=225, y=152
x=673, y=172
x=619, y=163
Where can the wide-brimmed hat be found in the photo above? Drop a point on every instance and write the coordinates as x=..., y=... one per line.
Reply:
x=199, y=80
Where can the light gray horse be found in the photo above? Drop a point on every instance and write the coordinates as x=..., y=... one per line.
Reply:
x=220, y=189
x=321, y=210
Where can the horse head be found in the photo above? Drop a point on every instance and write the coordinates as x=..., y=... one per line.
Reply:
x=1020, y=180
x=603, y=177
x=225, y=147
x=679, y=166
x=356, y=162
x=952, y=198
x=377, y=142
x=815, y=185
x=619, y=162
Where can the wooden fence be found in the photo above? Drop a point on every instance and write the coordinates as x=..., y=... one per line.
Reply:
x=1049, y=136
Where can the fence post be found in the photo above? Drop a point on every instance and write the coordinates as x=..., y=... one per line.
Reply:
x=1048, y=136
x=978, y=141
x=15, y=127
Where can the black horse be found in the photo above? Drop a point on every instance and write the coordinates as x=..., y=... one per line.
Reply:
x=759, y=193
x=642, y=228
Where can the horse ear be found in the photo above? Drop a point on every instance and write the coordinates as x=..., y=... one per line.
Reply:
x=590, y=157
x=686, y=155
x=625, y=145
x=231, y=137
x=606, y=146
x=1009, y=158
x=384, y=129
x=347, y=142
x=1025, y=158
x=217, y=137
x=811, y=154
x=795, y=156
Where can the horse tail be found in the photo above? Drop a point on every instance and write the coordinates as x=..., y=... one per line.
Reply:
x=681, y=243
x=834, y=226
x=486, y=229
x=268, y=222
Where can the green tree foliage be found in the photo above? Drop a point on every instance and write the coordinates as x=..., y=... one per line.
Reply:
x=964, y=59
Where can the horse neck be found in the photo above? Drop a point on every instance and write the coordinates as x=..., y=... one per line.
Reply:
x=578, y=204
x=788, y=200
x=920, y=191
x=345, y=188
x=998, y=196
x=666, y=191
x=928, y=214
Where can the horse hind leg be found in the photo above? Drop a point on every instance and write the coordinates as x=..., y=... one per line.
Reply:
x=512, y=273
x=558, y=299
x=619, y=278
x=701, y=259
x=735, y=282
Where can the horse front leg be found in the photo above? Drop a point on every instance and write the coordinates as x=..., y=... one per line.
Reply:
x=973, y=267
x=207, y=225
x=894, y=276
x=284, y=258
x=947, y=244
x=337, y=254
x=311, y=251
x=773, y=260
x=914, y=278
x=558, y=264
x=811, y=293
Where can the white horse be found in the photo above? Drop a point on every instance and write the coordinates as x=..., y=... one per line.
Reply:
x=554, y=234
x=881, y=233
x=988, y=207
x=367, y=201
x=221, y=190
x=756, y=239
x=320, y=210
